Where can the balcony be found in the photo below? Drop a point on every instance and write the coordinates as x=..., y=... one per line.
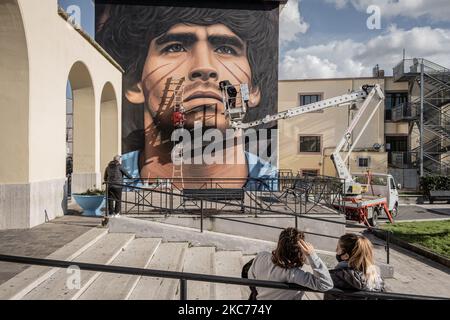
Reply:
x=403, y=160
x=408, y=69
x=405, y=112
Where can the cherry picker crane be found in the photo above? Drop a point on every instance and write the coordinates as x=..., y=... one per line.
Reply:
x=355, y=205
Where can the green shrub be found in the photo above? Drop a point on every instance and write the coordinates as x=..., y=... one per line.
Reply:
x=93, y=192
x=432, y=183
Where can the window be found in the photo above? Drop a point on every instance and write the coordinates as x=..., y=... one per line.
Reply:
x=397, y=143
x=309, y=98
x=310, y=144
x=392, y=100
x=397, y=147
x=363, y=162
x=309, y=172
x=392, y=183
x=374, y=180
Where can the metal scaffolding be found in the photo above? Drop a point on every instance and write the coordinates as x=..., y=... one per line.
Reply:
x=428, y=113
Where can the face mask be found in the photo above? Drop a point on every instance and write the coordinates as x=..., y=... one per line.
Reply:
x=339, y=257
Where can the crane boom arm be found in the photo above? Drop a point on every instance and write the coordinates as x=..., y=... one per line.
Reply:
x=340, y=164
x=367, y=94
x=297, y=111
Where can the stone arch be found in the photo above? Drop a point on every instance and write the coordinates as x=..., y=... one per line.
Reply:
x=84, y=128
x=109, y=125
x=14, y=95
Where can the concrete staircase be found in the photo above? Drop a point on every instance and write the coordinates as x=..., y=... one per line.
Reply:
x=124, y=249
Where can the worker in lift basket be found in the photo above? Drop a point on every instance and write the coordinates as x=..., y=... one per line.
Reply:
x=178, y=117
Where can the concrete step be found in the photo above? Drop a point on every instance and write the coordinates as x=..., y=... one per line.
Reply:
x=102, y=252
x=228, y=264
x=169, y=256
x=174, y=233
x=17, y=287
x=110, y=286
x=200, y=260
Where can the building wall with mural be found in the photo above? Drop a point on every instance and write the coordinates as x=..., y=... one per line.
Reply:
x=204, y=43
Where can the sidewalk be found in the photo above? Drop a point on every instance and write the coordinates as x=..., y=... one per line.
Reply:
x=41, y=241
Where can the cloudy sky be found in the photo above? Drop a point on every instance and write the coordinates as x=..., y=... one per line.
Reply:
x=330, y=38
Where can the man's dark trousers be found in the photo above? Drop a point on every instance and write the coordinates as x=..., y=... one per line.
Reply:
x=114, y=195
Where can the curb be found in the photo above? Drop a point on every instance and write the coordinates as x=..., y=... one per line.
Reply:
x=414, y=248
x=439, y=212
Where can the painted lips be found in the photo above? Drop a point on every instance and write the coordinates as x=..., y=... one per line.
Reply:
x=204, y=95
x=202, y=105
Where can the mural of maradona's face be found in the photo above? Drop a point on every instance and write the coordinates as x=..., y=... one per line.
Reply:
x=204, y=56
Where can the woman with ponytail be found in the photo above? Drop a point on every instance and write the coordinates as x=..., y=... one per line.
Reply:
x=356, y=269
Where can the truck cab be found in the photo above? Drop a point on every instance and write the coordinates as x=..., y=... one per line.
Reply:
x=382, y=185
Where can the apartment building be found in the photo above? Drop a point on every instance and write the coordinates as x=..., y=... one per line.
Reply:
x=306, y=142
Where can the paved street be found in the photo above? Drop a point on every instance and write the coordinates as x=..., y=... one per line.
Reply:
x=422, y=212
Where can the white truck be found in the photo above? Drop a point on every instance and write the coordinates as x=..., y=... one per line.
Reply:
x=358, y=205
x=380, y=185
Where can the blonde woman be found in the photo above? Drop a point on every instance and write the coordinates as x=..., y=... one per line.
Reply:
x=356, y=269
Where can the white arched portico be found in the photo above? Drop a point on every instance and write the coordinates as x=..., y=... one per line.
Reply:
x=109, y=126
x=84, y=128
x=14, y=112
x=39, y=52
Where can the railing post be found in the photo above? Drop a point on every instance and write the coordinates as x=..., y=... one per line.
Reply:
x=183, y=289
x=107, y=199
x=171, y=201
x=201, y=215
x=387, y=245
x=138, y=200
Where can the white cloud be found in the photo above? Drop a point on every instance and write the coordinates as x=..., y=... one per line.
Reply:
x=355, y=59
x=291, y=22
x=435, y=9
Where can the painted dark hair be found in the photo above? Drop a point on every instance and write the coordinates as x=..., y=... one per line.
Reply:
x=288, y=253
x=128, y=30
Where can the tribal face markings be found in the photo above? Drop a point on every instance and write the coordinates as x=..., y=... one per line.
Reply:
x=204, y=56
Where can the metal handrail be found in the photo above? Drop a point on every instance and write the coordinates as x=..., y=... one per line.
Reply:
x=243, y=206
x=270, y=185
x=183, y=277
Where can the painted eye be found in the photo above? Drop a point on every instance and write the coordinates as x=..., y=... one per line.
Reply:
x=175, y=48
x=226, y=50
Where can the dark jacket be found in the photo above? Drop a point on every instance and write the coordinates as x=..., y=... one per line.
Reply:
x=346, y=278
x=244, y=274
x=114, y=173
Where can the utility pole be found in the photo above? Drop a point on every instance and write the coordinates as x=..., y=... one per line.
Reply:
x=421, y=116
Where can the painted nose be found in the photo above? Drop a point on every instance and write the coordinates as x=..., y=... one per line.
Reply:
x=202, y=64
x=203, y=74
